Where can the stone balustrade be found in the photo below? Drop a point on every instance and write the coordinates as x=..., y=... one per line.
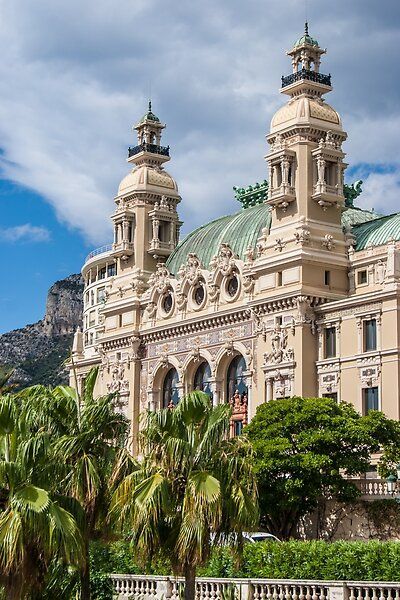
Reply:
x=372, y=487
x=149, y=587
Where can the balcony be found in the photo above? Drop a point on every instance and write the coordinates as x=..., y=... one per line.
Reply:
x=327, y=195
x=153, y=148
x=123, y=249
x=101, y=250
x=306, y=74
x=282, y=196
x=158, y=248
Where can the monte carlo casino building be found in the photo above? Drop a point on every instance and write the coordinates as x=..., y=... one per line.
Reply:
x=298, y=293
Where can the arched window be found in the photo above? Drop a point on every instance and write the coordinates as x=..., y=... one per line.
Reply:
x=202, y=378
x=170, y=392
x=236, y=381
x=237, y=394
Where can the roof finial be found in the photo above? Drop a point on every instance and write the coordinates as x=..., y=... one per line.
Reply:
x=306, y=28
x=149, y=105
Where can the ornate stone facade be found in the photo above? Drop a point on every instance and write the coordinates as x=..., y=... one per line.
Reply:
x=284, y=298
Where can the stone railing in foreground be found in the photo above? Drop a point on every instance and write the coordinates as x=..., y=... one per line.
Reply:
x=143, y=587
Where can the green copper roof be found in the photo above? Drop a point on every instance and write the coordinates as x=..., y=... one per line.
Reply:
x=149, y=116
x=306, y=38
x=377, y=232
x=240, y=231
x=354, y=216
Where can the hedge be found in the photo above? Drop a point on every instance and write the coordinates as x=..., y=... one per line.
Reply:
x=362, y=561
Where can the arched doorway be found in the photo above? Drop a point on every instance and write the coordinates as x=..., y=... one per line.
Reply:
x=170, y=390
x=202, y=378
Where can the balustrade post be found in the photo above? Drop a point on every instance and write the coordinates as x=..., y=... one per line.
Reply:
x=246, y=590
x=164, y=588
x=338, y=591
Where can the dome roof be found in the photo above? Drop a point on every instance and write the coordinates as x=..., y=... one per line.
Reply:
x=305, y=39
x=149, y=116
x=146, y=178
x=303, y=110
x=241, y=231
x=378, y=232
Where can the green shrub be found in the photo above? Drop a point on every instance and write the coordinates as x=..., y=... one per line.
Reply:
x=368, y=561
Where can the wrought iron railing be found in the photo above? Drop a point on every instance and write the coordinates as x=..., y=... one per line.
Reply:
x=97, y=251
x=163, y=150
x=306, y=74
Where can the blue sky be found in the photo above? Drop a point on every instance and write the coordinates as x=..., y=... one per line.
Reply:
x=75, y=76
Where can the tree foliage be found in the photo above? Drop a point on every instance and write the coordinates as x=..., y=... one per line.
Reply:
x=305, y=449
x=194, y=486
x=35, y=526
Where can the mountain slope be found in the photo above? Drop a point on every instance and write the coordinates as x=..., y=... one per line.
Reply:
x=38, y=351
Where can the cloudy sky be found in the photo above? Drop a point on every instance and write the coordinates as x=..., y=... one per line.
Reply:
x=75, y=76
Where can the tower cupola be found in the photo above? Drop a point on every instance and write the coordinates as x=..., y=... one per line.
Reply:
x=149, y=150
x=305, y=77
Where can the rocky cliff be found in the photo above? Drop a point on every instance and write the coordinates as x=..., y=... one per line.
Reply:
x=38, y=351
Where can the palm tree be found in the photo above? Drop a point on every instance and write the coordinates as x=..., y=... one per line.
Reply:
x=194, y=486
x=89, y=450
x=34, y=526
x=5, y=376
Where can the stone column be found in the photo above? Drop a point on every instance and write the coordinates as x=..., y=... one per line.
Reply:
x=269, y=381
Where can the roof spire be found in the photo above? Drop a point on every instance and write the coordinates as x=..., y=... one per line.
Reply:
x=149, y=105
x=306, y=28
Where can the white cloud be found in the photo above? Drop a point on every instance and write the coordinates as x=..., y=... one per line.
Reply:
x=381, y=191
x=25, y=233
x=74, y=76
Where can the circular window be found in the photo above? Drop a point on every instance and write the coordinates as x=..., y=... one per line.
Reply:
x=232, y=286
x=199, y=294
x=167, y=303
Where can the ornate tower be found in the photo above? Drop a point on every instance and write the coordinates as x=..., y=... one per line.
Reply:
x=306, y=177
x=146, y=223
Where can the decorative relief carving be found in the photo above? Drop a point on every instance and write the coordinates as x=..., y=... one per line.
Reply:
x=248, y=284
x=369, y=370
x=279, y=244
x=224, y=261
x=118, y=383
x=161, y=278
x=213, y=291
x=280, y=352
x=380, y=272
x=249, y=255
x=370, y=375
x=356, y=310
x=328, y=242
x=191, y=270
x=302, y=236
x=329, y=378
x=283, y=384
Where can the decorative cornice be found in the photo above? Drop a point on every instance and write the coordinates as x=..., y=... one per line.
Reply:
x=238, y=316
